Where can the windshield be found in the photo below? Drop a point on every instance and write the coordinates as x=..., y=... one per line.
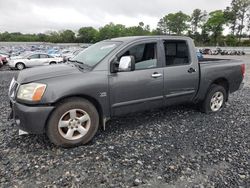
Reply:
x=92, y=55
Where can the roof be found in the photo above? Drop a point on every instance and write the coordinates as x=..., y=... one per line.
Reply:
x=133, y=38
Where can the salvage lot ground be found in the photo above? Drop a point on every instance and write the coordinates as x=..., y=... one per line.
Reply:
x=172, y=147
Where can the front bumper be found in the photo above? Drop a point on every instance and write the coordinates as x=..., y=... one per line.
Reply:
x=11, y=64
x=31, y=119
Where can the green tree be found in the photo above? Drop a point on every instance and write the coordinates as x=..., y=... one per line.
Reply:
x=242, y=7
x=248, y=25
x=174, y=23
x=197, y=18
x=54, y=37
x=215, y=24
x=87, y=35
x=42, y=37
x=139, y=30
x=111, y=31
x=162, y=27
x=67, y=36
x=230, y=14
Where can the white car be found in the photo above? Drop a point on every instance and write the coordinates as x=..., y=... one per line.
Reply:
x=70, y=54
x=33, y=60
x=1, y=63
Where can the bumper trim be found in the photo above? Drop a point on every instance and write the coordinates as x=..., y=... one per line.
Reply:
x=31, y=119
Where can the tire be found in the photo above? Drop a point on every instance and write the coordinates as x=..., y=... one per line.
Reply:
x=52, y=63
x=20, y=66
x=213, y=102
x=61, y=116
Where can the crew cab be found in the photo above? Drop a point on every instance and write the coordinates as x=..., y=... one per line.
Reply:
x=115, y=77
x=33, y=60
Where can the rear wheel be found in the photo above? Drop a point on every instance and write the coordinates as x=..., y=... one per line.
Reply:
x=52, y=63
x=214, y=100
x=74, y=122
x=20, y=66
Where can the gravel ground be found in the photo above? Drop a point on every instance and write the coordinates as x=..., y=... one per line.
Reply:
x=172, y=147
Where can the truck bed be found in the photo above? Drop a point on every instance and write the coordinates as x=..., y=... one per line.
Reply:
x=221, y=69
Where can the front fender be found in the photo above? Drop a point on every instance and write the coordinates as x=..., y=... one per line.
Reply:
x=92, y=85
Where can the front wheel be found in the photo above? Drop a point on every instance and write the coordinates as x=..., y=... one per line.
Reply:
x=74, y=122
x=214, y=100
x=20, y=66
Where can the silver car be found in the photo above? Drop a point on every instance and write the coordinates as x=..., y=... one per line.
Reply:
x=33, y=60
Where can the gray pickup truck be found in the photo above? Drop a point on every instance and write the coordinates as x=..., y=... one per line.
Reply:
x=114, y=77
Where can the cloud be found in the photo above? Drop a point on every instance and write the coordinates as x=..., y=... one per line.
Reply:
x=42, y=15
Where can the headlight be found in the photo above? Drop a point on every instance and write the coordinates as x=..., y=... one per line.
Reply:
x=31, y=92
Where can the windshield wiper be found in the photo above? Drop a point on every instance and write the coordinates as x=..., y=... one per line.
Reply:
x=75, y=61
x=80, y=64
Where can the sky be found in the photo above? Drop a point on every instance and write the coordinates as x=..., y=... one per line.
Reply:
x=39, y=16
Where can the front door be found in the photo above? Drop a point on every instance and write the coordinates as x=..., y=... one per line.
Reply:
x=44, y=59
x=33, y=60
x=141, y=89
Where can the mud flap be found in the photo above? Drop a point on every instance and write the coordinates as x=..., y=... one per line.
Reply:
x=21, y=132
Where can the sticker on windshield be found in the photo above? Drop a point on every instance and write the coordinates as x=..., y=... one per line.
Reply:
x=108, y=46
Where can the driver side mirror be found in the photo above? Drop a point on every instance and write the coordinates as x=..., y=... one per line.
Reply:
x=126, y=64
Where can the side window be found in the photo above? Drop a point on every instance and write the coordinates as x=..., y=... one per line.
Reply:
x=145, y=55
x=176, y=53
x=35, y=56
x=43, y=56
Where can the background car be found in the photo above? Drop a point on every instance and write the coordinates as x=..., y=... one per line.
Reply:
x=3, y=59
x=206, y=51
x=32, y=60
x=70, y=54
x=199, y=54
x=4, y=54
x=1, y=63
x=54, y=52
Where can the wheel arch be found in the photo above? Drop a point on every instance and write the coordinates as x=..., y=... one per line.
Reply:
x=92, y=100
x=20, y=62
x=89, y=98
x=222, y=82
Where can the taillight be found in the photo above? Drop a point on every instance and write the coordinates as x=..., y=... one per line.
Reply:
x=243, y=70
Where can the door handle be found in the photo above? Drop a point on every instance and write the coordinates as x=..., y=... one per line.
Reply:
x=191, y=70
x=156, y=75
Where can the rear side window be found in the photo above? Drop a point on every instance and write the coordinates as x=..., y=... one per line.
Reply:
x=43, y=56
x=176, y=53
x=145, y=55
x=35, y=56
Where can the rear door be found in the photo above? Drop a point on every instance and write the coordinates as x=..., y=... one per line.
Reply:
x=141, y=89
x=181, y=72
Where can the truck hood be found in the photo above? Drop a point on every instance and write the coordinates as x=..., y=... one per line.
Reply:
x=46, y=72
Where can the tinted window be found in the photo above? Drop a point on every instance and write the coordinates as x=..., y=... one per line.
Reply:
x=35, y=56
x=176, y=53
x=145, y=55
x=43, y=56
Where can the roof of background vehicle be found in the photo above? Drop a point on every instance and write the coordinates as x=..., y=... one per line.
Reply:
x=135, y=38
